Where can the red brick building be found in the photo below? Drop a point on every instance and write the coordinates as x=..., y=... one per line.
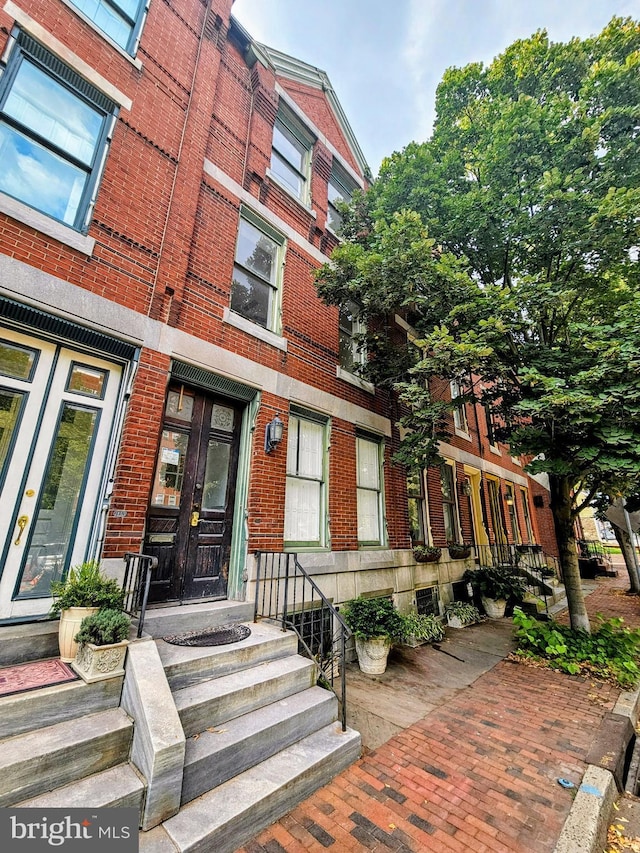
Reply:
x=167, y=189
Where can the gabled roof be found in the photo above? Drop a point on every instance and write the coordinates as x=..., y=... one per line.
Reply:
x=294, y=69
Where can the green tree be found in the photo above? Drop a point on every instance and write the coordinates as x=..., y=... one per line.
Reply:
x=509, y=241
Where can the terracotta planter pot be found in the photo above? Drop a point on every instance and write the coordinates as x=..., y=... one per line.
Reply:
x=70, y=620
x=494, y=607
x=372, y=654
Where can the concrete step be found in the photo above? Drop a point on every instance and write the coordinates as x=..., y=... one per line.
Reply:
x=210, y=703
x=220, y=753
x=38, y=761
x=23, y=712
x=166, y=621
x=119, y=786
x=223, y=819
x=187, y=665
x=29, y=641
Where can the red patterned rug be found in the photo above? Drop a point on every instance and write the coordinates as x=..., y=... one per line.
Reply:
x=35, y=674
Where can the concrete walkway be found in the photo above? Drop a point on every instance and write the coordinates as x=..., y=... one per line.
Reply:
x=464, y=749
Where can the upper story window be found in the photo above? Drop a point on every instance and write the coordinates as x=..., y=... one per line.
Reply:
x=305, y=504
x=257, y=273
x=352, y=352
x=291, y=154
x=121, y=20
x=460, y=412
x=370, y=495
x=54, y=130
x=340, y=188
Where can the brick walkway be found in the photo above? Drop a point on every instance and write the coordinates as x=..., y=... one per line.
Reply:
x=477, y=774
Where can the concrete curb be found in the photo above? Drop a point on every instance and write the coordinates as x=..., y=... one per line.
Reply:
x=585, y=829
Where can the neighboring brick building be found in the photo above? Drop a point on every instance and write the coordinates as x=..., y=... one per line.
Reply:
x=167, y=189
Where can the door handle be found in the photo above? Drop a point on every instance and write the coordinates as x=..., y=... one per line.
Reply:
x=22, y=523
x=195, y=518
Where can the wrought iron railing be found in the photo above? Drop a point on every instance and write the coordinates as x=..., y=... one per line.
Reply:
x=136, y=583
x=538, y=569
x=286, y=594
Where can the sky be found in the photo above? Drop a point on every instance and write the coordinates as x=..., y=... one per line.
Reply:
x=385, y=59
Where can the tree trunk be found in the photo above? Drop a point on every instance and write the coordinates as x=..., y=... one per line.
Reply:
x=562, y=509
x=628, y=552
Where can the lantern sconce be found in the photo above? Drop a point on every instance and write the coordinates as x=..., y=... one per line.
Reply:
x=273, y=434
x=466, y=488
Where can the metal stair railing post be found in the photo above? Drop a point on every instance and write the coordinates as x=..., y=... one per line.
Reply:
x=136, y=584
x=286, y=594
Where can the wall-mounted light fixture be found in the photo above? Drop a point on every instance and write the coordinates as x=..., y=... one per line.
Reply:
x=466, y=488
x=273, y=434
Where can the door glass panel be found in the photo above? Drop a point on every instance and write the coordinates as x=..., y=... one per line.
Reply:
x=216, y=475
x=87, y=380
x=17, y=362
x=167, y=485
x=180, y=405
x=222, y=418
x=10, y=407
x=52, y=528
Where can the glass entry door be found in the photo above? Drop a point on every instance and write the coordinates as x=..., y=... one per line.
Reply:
x=56, y=413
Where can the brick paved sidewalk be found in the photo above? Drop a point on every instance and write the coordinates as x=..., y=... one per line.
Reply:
x=478, y=773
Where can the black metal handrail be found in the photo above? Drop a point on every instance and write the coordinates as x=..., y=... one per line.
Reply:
x=136, y=583
x=536, y=567
x=285, y=593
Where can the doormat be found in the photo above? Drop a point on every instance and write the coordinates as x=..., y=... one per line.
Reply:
x=33, y=675
x=211, y=636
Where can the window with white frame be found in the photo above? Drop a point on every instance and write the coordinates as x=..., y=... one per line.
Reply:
x=352, y=352
x=291, y=154
x=370, y=497
x=54, y=132
x=121, y=20
x=340, y=188
x=449, y=503
x=460, y=412
x=305, y=502
x=257, y=272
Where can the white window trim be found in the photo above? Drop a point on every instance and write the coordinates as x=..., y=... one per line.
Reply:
x=458, y=524
x=300, y=202
x=459, y=415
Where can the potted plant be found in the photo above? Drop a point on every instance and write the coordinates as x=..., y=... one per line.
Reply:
x=426, y=553
x=102, y=644
x=84, y=591
x=458, y=550
x=461, y=613
x=375, y=624
x=496, y=587
x=419, y=628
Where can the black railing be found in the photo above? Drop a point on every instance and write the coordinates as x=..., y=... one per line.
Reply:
x=285, y=593
x=136, y=583
x=538, y=570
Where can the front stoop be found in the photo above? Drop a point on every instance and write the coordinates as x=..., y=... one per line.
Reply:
x=227, y=817
x=260, y=737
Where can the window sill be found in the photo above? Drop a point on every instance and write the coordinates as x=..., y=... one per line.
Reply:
x=495, y=450
x=462, y=434
x=253, y=329
x=273, y=177
x=45, y=225
x=137, y=63
x=352, y=379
